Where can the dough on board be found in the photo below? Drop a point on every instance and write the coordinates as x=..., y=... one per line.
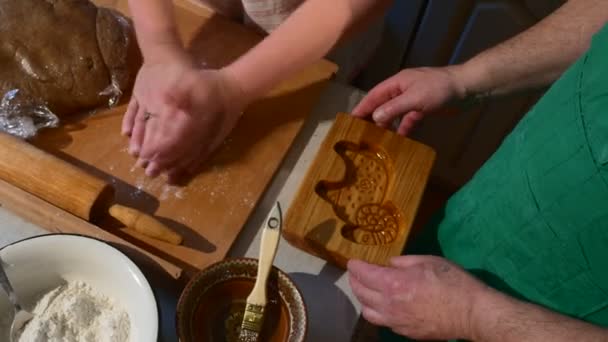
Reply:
x=65, y=53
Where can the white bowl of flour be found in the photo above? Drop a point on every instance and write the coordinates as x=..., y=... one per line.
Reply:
x=80, y=289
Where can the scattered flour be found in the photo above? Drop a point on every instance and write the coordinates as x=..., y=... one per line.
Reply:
x=158, y=187
x=74, y=312
x=170, y=190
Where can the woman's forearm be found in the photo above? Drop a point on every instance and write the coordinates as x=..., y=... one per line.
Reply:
x=305, y=37
x=155, y=27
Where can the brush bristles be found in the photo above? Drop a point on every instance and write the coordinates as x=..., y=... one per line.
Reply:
x=253, y=318
x=252, y=323
x=248, y=336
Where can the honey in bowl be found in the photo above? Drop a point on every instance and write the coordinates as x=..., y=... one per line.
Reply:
x=219, y=313
x=211, y=307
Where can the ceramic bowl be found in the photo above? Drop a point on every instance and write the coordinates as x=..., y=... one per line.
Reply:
x=212, y=304
x=39, y=264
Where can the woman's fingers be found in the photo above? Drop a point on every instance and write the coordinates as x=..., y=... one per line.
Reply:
x=165, y=160
x=181, y=168
x=206, y=149
x=142, y=163
x=129, y=118
x=153, y=169
x=138, y=133
x=195, y=164
x=153, y=124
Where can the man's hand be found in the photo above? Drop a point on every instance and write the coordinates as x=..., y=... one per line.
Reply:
x=179, y=114
x=422, y=297
x=412, y=93
x=530, y=60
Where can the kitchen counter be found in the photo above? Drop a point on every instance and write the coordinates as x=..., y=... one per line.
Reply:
x=332, y=310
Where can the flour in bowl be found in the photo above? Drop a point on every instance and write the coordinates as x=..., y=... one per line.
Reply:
x=75, y=312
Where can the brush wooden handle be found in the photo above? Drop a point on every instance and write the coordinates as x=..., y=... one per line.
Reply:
x=144, y=224
x=268, y=250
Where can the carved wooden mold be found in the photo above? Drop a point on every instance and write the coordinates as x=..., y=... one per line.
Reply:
x=360, y=195
x=359, y=198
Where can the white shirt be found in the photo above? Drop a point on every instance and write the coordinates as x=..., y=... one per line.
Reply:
x=262, y=14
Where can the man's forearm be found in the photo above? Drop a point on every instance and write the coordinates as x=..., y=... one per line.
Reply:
x=539, y=55
x=155, y=27
x=499, y=318
x=305, y=37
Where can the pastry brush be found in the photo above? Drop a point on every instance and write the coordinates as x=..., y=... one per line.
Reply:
x=253, y=318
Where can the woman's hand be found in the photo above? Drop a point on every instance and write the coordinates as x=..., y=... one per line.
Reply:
x=179, y=114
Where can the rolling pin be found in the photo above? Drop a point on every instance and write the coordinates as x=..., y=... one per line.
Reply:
x=71, y=189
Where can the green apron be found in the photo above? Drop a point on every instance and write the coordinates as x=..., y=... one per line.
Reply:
x=533, y=221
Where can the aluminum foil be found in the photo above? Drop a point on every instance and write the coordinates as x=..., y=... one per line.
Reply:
x=113, y=92
x=23, y=118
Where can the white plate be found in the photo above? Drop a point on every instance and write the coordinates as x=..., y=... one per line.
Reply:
x=38, y=264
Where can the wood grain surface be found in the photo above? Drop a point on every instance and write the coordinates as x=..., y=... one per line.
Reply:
x=56, y=220
x=211, y=209
x=360, y=196
x=69, y=188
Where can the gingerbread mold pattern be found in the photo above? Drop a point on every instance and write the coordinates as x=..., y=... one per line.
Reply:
x=359, y=198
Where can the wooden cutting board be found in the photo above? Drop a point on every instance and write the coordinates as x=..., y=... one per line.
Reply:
x=360, y=195
x=212, y=209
